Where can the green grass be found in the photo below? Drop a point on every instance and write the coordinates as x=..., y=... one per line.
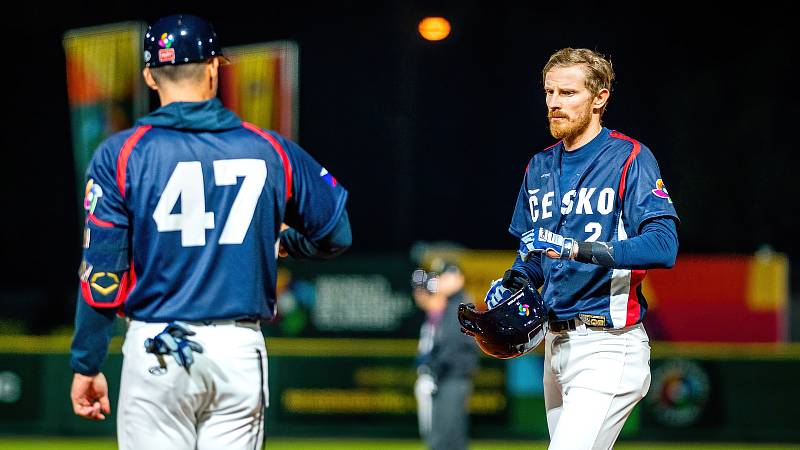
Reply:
x=371, y=444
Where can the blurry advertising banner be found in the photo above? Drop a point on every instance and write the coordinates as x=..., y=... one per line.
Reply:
x=104, y=84
x=720, y=298
x=364, y=296
x=703, y=298
x=260, y=85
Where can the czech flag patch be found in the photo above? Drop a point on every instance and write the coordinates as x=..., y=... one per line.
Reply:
x=330, y=179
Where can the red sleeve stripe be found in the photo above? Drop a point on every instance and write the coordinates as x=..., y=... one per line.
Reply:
x=631, y=157
x=287, y=165
x=122, y=159
x=100, y=222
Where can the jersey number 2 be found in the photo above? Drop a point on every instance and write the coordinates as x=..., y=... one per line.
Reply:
x=186, y=183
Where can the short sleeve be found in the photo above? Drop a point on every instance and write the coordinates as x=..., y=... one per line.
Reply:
x=521, y=219
x=317, y=199
x=645, y=192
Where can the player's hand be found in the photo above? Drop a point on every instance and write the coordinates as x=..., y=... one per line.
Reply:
x=89, y=395
x=497, y=293
x=503, y=288
x=542, y=241
x=514, y=280
x=282, y=253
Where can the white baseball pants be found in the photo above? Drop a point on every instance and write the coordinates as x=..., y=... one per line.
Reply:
x=592, y=380
x=217, y=404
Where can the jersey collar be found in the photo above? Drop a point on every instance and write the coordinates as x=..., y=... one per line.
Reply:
x=209, y=115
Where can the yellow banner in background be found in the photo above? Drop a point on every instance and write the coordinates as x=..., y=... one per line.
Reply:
x=260, y=85
x=104, y=85
x=104, y=63
x=768, y=282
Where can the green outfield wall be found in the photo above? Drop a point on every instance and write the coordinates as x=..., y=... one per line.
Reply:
x=364, y=388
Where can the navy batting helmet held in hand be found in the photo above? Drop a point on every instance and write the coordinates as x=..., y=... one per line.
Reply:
x=180, y=39
x=510, y=329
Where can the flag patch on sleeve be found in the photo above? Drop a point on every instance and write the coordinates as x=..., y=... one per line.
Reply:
x=330, y=179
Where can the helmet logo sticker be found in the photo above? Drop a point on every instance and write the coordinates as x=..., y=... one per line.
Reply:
x=166, y=55
x=524, y=310
x=166, y=40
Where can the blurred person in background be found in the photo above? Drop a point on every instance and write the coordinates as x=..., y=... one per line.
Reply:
x=446, y=358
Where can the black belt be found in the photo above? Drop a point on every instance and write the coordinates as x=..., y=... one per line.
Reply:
x=557, y=326
x=248, y=323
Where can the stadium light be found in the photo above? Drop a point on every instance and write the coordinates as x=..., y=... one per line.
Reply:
x=434, y=28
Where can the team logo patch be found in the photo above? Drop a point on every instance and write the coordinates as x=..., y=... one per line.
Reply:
x=661, y=191
x=330, y=179
x=166, y=40
x=93, y=193
x=166, y=55
x=110, y=282
x=524, y=310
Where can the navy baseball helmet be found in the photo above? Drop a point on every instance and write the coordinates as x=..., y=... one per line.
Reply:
x=180, y=39
x=510, y=329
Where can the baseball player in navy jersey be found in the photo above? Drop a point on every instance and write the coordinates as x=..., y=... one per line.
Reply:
x=183, y=230
x=593, y=214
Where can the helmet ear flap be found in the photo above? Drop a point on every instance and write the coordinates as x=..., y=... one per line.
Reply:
x=469, y=318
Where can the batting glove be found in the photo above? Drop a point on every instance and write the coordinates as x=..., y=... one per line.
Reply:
x=539, y=240
x=172, y=341
x=497, y=293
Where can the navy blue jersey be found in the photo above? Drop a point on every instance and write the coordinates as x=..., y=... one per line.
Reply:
x=608, y=200
x=184, y=213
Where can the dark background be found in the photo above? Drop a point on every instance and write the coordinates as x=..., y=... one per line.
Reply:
x=431, y=139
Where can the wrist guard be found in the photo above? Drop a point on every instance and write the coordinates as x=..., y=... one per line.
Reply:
x=599, y=253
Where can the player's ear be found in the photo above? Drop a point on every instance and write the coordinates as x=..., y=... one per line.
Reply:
x=148, y=79
x=601, y=99
x=212, y=68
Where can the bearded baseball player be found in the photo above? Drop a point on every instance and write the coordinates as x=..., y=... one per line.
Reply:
x=593, y=214
x=183, y=231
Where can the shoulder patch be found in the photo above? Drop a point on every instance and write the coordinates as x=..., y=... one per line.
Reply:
x=92, y=195
x=661, y=191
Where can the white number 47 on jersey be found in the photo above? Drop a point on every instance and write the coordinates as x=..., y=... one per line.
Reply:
x=186, y=183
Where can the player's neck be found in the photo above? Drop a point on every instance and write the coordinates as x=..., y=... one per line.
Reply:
x=579, y=140
x=185, y=94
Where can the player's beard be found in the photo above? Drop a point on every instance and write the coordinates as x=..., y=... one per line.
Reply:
x=571, y=127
